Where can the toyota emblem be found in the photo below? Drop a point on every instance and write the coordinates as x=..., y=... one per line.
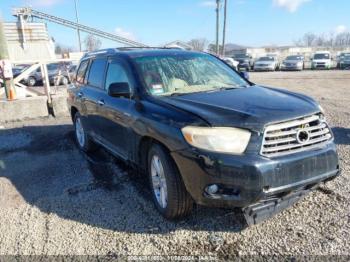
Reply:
x=303, y=136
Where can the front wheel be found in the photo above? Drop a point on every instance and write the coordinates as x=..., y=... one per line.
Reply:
x=169, y=193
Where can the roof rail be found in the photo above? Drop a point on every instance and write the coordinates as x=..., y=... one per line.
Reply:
x=107, y=51
x=144, y=47
x=112, y=51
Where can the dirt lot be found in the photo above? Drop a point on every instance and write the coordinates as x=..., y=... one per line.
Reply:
x=53, y=201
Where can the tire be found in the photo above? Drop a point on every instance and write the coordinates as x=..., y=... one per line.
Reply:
x=65, y=81
x=83, y=141
x=31, y=81
x=178, y=202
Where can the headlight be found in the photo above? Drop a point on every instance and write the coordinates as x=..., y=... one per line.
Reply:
x=218, y=139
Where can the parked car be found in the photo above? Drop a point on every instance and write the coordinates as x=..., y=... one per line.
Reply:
x=72, y=71
x=344, y=61
x=231, y=62
x=58, y=73
x=266, y=63
x=200, y=132
x=321, y=60
x=246, y=61
x=293, y=62
x=18, y=69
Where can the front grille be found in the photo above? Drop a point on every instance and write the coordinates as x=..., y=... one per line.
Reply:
x=295, y=136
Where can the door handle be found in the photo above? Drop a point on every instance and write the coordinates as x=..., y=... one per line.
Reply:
x=101, y=102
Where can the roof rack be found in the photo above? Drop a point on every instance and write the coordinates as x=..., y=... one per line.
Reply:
x=107, y=51
x=144, y=47
x=112, y=51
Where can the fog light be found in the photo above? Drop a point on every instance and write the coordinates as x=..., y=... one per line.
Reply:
x=212, y=189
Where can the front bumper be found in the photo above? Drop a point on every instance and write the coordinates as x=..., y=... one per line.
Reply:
x=291, y=67
x=249, y=179
x=320, y=66
x=345, y=65
x=244, y=66
x=264, y=68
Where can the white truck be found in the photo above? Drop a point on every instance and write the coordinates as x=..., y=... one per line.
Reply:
x=321, y=60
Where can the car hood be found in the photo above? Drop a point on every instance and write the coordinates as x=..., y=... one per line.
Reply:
x=292, y=61
x=251, y=108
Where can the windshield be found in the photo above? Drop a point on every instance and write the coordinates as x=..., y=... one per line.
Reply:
x=293, y=57
x=321, y=56
x=266, y=58
x=345, y=55
x=52, y=67
x=176, y=74
x=241, y=56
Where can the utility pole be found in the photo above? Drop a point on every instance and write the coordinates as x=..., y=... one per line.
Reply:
x=224, y=29
x=217, y=25
x=77, y=19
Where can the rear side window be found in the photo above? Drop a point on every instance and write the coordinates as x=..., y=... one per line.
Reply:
x=96, y=73
x=81, y=72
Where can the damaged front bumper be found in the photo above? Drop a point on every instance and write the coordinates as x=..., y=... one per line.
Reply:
x=259, y=185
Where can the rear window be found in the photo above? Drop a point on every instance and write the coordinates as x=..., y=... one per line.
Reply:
x=82, y=70
x=97, y=71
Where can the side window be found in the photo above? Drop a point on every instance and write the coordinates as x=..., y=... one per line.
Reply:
x=81, y=71
x=116, y=73
x=97, y=71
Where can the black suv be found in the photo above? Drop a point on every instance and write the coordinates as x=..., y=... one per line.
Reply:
x=200, y=131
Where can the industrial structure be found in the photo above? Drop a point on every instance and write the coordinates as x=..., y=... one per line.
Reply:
x=28, y=41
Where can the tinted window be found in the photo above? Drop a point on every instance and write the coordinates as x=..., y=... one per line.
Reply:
x=97, y=71
x=116, y=73
x=82, y=70
x=266, y=58
x=293, y=57
x=52, y=67
x=322, y=56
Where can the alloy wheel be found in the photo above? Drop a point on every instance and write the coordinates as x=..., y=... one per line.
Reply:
x=159, y=181
x=79, y=132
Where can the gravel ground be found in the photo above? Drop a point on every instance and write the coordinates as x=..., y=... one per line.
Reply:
x=53, y=201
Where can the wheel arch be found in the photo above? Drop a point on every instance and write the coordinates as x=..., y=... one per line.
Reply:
x=73, y=111
x=144, y=146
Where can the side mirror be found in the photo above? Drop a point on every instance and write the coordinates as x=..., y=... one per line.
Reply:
x=244, y=74
x=120, y=89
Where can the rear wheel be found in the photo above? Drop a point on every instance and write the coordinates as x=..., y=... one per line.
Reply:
x=65, y=81
x=31, y=81
x=169, y=193
x=83, y=140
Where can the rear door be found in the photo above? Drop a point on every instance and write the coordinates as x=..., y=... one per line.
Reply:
x=92, y=92
x=80, y=84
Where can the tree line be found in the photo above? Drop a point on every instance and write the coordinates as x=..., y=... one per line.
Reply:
x=323, y=40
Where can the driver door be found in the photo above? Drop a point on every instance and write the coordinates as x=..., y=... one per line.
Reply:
x=116, y=113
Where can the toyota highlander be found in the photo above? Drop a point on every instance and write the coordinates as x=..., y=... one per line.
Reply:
x=200, y=131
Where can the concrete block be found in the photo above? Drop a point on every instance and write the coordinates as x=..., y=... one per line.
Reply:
x=21, y=109
x=59, y=105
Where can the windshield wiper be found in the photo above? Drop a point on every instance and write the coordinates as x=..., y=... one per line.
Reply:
x=176, y=94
